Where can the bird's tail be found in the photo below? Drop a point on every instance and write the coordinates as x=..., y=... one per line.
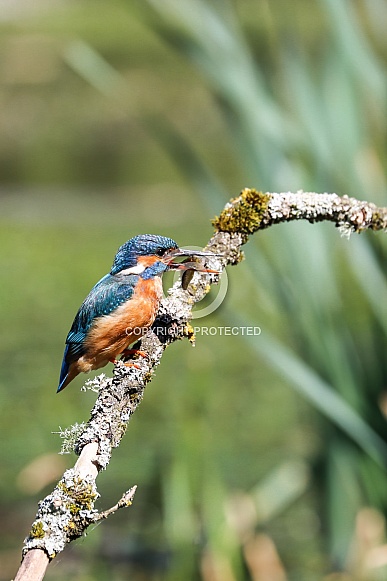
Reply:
x=67, y=372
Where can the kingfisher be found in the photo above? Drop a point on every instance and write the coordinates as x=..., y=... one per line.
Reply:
x=122, y=305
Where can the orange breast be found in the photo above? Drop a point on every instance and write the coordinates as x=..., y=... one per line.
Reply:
x=113, y=333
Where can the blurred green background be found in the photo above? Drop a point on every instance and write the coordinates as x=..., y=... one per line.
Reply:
x=257, y=458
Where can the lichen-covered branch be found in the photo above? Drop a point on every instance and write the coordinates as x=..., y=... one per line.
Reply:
x=67, y=512
x=253, y=210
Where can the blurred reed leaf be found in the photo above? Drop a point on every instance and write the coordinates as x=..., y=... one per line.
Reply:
x=366, y=270
x=179, y=520
x=306, y=382
x=220, y=538
x=354, y=46
x=345, y=497
x=280, y=488
x=93, y=68
x=257, y=122
x=207, y=185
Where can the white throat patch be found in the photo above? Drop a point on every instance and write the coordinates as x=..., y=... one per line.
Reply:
x=138, y=269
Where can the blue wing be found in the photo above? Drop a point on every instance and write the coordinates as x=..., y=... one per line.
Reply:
x=104, y=298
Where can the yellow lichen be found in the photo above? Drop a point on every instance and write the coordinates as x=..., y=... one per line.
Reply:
x=379, y=221
x=82, y=495
x=189, y=332
x=73, y=508
x=37, y=530
x=71, y=526
x=148, y=376
x=244, y=213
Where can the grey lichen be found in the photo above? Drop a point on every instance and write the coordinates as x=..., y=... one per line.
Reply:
x=94, y=384
x=63, y=515
x=69, y=436
x=228, y=244
x=67, y=512
x=118, y=398
x=348, y=214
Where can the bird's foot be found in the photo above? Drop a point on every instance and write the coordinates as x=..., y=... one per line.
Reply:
x=131, y=364
x=126, y=363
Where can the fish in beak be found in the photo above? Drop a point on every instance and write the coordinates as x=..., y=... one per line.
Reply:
x=188, y=264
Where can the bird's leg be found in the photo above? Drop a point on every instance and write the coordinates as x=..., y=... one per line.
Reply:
x=127, y=364
x=127, y=352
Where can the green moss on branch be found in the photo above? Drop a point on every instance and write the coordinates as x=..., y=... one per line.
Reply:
x=243, y=214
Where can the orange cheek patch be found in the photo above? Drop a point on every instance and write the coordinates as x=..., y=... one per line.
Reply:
x=147, y=260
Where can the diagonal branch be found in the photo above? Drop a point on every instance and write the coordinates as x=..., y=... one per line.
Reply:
x=68, y=511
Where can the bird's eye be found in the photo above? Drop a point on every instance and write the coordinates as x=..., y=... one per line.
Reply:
x=160, y=252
